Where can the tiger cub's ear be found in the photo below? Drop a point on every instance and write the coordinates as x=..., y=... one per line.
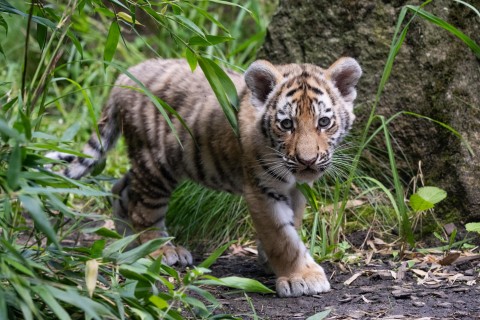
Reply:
x=261, y=77
x=344, y=73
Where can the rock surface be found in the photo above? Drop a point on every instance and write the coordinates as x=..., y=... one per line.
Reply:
x=435, y=75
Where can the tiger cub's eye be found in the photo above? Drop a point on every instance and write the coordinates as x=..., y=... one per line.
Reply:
x=286, y=124
x=323, y=122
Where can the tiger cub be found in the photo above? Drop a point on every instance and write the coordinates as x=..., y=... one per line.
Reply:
x=290, y=119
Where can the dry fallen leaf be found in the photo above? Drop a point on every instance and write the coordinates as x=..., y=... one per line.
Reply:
x=353, y=278
x=449, y=259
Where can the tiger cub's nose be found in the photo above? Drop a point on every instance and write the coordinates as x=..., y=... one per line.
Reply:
x=307, y=162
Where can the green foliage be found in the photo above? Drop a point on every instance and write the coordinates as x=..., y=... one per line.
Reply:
x=58, y=61
x=426, y=198
x=473, y=227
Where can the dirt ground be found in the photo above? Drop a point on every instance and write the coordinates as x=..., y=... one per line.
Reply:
x=380, y=290
x=377, y=285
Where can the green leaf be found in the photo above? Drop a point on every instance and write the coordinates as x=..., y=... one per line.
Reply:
x=191, y=59
x=473, y=227
x=133, y=272
x=71, y=132
x=420, y=204
x=34, y=207
x=7, y=7
x=188, y=24
x=44, y=294
x=426, y=197
x=10, y=132
x=214, y=256
x=118, y=246
x=193, y=302
x=158, y=302
x=320, y=315
x=41, y=35
x=14, y=167
x=103, y=232
x=223, y=88
x=432, y=194
x=209, y=40
x=141, y=251
x=85, y=191
x=4, y=24
x=205, y=295
x=112, y=41
x=97, y=248
x=3, y=305
x=91, y=308
x=75, y=42
x=248, y=285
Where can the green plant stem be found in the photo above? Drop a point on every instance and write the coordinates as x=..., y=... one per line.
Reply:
x=25, y=54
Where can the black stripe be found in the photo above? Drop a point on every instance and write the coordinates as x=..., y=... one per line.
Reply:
x=277, y=196
x=291, y=92
x=316, y=90
x=153, y=205
x=264, y=125
x=93, y=143
x=166, y=174
x=332, y=97
x=147, y=180
x=197, y=156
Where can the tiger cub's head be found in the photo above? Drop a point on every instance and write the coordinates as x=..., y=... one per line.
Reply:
x=304, y=111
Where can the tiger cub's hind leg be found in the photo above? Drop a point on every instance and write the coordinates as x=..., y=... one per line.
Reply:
x=141, y=208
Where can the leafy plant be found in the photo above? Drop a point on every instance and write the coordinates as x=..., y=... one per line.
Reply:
x=54, y=80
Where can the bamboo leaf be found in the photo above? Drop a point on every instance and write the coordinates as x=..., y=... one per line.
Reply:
x=44, y=293
x=188, y=24
x=14, y=167
x=4, y=24
x=248, y=285
x=321, y=315
x=84, y=191
x=209, y=40
x=223, y=88
x=112, y=41
x=141, y=251
x=41, y=35
x=128, y=18
x=91, y=308
x=34, y=207
x=191, y=59
x=214, y=256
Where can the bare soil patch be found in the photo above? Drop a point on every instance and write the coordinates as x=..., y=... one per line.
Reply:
x=380, y=290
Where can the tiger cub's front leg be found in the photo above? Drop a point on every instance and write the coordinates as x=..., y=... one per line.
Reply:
x=275, y=222
x=137, y=211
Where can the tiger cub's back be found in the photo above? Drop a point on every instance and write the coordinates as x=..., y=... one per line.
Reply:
x=211, y=158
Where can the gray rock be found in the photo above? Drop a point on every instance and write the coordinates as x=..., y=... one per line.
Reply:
x=435, y=75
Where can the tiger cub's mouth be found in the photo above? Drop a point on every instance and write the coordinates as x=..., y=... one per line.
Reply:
x=310, y=173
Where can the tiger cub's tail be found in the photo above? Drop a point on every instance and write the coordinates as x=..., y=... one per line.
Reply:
x=96, y=147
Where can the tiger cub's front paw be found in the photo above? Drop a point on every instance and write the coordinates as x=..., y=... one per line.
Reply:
x=172, y=255
x=307, y=281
